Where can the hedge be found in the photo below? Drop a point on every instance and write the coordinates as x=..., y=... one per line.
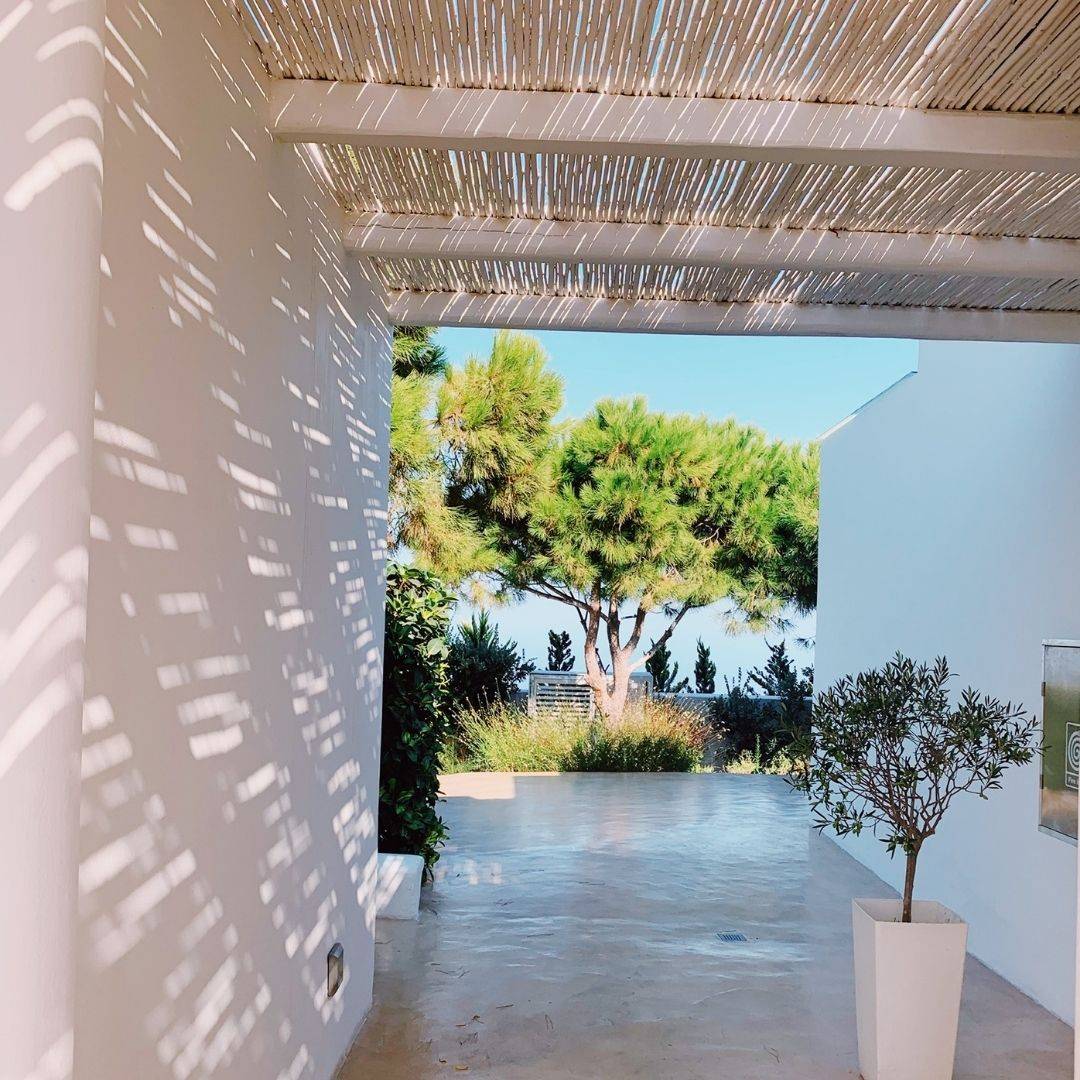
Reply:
x=415, y=712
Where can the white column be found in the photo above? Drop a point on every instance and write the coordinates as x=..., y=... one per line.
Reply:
x=51, y=103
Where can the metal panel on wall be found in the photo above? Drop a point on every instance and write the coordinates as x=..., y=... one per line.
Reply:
x=1061, y=738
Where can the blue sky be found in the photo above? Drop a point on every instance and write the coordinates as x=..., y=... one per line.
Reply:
x=793, y=388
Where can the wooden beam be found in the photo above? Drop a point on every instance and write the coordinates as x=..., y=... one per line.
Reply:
x=527, y=121
x=428, y=236
x=528, y=312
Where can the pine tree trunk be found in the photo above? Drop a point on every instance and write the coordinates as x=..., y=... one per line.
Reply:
x=594, y=676
x=620, y=690
x=610, y=694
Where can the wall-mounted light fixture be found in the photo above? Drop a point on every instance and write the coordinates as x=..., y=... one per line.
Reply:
x=335, y=969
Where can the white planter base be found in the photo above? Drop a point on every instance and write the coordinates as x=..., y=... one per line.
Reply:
x=908, y=980
x=397, y=891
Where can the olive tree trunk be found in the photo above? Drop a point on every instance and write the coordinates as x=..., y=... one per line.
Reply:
x=909, y=884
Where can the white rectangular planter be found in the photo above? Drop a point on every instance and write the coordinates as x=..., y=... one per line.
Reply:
x=397, y=889
x=908, y=980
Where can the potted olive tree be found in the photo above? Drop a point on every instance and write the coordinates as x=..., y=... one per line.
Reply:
x=888, y=751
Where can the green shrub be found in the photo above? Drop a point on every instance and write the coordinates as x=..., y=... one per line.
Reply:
x=624, y=749
x=501, y=738
x=655, y=737
x=484, y=670
x=736, y=716
x=751, y=763
x=414, y=722
x=750, y=726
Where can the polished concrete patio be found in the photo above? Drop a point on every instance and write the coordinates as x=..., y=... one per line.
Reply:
x=572, y=934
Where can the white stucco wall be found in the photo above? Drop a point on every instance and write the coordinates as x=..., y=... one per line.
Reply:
x=949, y=517
x=51, y=96
x=236, y=582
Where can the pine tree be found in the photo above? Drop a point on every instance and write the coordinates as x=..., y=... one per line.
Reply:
x=627, y=513
x=560, y=653
x=665, y=674
x=451, y=428
x=620, y=515
x=414, y=351
x=781, y=678
x=418, y=516
x=704, y=670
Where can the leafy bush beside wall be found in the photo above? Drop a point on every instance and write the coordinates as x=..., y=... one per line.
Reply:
x=484, y=669
x=415, y=710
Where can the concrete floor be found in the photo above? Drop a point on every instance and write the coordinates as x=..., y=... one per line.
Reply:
x=572, y=934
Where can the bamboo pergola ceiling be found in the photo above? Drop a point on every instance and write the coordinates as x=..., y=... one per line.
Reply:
x=990, y=54
x=726, y=286
x=685, y=191
x=492, y=113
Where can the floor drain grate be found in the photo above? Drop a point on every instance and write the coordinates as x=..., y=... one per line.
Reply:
x=732, y=936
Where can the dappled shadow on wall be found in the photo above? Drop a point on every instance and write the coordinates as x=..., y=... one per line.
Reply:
x=228, y=830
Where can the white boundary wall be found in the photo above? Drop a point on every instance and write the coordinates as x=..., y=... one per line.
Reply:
x=950, y=513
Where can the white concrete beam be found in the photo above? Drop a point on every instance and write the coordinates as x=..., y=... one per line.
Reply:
x=526, y=312
x=371, y=114
x=430, y=236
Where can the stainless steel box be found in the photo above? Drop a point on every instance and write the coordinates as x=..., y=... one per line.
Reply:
x=1060, y=738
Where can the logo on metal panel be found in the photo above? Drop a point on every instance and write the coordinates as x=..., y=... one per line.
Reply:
x=1072, y=756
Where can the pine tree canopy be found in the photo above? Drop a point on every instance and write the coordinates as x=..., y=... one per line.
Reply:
x=414, y=351
x=667, y=510
x=420, y=518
